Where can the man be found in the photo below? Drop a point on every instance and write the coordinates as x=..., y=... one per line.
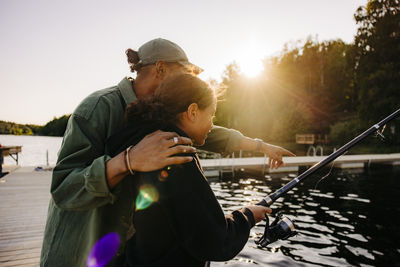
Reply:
x=91, y=191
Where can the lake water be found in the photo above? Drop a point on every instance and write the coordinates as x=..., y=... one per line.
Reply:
x=351, y=219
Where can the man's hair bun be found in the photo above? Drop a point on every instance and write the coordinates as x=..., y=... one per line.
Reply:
x=133, y=58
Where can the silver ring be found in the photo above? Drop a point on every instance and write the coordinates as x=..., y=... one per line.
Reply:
x=176, y=140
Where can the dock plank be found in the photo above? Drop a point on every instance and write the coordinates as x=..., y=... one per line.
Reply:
x=24, y=198
x=259, y=162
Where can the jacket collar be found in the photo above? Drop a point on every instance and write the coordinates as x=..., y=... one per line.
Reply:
x=126, y=89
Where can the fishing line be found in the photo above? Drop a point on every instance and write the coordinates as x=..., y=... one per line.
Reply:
x=317, y=183
x=282, y=227
x=378, y=134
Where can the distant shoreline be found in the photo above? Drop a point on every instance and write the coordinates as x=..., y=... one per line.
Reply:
x=55, y=127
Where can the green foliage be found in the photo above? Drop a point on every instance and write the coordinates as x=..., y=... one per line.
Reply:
x=322, y=87
x=300, y=91
x=14, y=128
x=343, y=131
x=56, y=127
x=35, y=128
x=377, y=45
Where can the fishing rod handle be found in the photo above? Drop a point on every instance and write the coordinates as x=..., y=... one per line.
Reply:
x=266, y=202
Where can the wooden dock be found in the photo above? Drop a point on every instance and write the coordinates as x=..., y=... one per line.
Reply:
x=11, y=151
x=24, y=198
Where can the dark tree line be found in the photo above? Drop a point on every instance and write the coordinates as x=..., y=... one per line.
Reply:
x=55, y=127
x=15, y=128
x=326, y=87
x=377, y=68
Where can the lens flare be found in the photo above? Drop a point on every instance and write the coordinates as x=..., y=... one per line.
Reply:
x=147, y=195
x=163, y=175
x=104, y=250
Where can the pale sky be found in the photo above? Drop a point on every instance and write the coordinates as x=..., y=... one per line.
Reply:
x=54, y=53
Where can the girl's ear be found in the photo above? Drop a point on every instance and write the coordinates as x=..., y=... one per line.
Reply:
x=192, y=112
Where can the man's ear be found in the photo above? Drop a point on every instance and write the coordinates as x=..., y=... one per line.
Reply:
x=161, y=69
x=192, y=112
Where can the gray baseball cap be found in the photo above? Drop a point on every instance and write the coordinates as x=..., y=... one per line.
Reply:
x=164, y=50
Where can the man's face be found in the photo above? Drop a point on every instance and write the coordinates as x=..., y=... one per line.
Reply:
x=145, y=82
x=149, y=77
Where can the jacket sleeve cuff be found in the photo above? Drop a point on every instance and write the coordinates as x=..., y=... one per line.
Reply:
x=96, y=179
x=250, y=217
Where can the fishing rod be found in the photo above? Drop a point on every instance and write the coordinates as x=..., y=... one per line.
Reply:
x=282, y=227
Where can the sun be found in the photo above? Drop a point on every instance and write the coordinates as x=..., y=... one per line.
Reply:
x=250, y=66
x=249, y=56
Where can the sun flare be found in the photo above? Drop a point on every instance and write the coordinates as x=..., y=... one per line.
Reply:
x=251, y=67
x=249, y=57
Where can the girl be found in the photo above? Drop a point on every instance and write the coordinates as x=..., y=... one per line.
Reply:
x=177, y=218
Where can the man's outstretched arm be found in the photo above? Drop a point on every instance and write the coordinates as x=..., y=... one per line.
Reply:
x=274, y=153
x=224, y=140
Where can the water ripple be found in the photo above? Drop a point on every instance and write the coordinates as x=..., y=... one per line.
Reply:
x=342, y=222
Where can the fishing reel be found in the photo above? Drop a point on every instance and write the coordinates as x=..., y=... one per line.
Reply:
x=280, y=229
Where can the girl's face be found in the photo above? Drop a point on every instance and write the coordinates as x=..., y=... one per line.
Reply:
x=199, y=122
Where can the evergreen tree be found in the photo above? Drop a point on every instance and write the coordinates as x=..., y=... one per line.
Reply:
x=377, y=65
